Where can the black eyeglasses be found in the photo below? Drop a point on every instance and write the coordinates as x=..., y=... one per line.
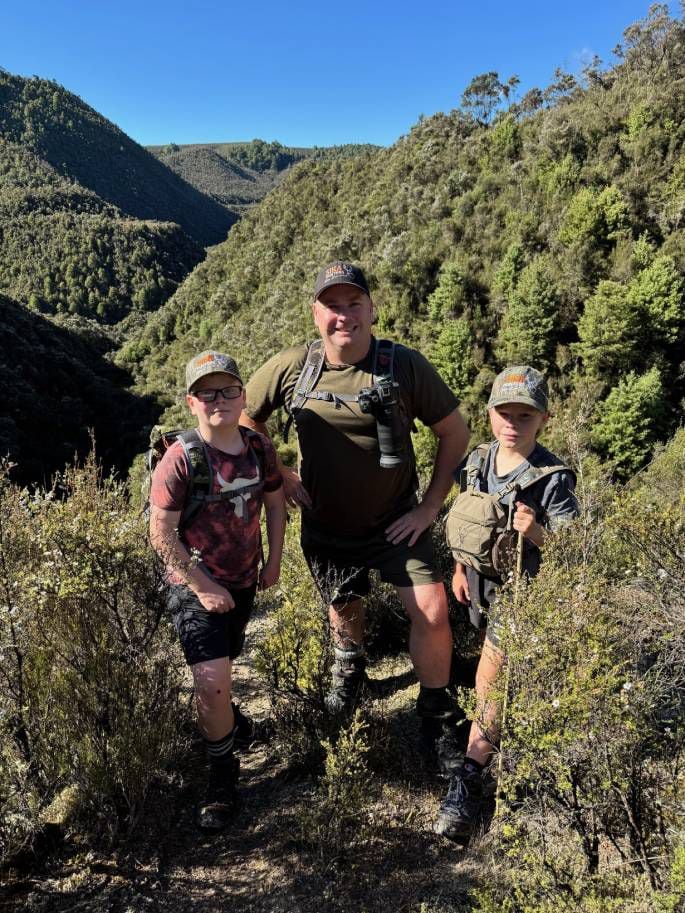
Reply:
x=208, y=396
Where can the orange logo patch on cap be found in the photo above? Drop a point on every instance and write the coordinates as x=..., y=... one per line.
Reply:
x=514, y=379
x=204, y=361
x=337, y=270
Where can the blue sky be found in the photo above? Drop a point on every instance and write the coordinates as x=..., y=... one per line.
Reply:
x=298, y=72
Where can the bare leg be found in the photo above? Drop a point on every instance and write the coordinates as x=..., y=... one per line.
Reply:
x=430, y=638
x=347, y=624
x=213, y=698
x=484, y=732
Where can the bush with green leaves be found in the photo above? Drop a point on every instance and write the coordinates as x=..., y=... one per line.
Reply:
x=337, y=819
x=629, y=420
x=293, y=657
x=91, y=671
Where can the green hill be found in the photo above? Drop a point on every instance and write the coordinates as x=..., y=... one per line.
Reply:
x=57, y=385
x=64, y=250
x=82, y=146
x=221, y=178
x=238, y=175
x=550, y=231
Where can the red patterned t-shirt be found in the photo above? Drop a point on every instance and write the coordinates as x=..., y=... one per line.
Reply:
x=226, y=534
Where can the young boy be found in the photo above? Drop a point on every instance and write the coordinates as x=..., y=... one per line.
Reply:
x=539, y=498
x=213, y=560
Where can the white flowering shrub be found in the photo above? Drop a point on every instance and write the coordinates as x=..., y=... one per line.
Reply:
x=594, y=733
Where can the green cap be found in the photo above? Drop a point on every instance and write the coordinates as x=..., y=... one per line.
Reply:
x=210, y=363
x=519, y=384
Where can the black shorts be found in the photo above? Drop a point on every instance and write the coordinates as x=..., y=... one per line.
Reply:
x=210, y=635
x=340, y=565
x=484, y=610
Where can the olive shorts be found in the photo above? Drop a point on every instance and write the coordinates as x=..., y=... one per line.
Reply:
x=340, y=565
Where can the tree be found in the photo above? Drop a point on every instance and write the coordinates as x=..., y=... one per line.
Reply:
x=482, y=95
x=629, y=420
x=447, y=300
x=610, y=331
x=452, y=355
x=659, y=293
x=527, y=331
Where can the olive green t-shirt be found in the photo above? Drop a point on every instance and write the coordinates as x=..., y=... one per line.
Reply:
x=338, y=445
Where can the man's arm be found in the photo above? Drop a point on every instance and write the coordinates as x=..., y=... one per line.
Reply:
x=295, y=493
x=274, y=506
x=174, y=554
x=453, y=436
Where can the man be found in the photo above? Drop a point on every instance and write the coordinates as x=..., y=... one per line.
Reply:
x=356, y=513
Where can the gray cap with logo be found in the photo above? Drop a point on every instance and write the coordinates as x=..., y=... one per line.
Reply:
x=210, y=363
x=519, y=384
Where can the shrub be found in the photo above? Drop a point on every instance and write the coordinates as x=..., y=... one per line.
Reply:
x=334, y=822
x=294, y=656
x=93, y=679
x=629, y=420
x=593, y=740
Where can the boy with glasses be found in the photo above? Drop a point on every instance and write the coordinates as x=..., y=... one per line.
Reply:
x=213, y=560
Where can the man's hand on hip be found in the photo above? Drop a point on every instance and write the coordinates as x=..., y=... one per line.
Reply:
x=296, y=494
x=411, y=524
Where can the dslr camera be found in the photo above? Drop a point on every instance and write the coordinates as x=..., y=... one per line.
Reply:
x=382, y=400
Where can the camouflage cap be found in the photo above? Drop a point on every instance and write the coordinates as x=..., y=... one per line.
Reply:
x=210, y=363
x=340, y=273
x=519, y=384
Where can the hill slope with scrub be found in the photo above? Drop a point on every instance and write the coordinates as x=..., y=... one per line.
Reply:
x=547, y=230
x=58, y=386
x=239, y=175
x=83, y=146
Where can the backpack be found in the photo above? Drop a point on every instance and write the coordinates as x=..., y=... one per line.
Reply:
x=479, y=525
x=383, y=365
x=201, y=487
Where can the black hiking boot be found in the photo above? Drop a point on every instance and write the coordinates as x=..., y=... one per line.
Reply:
x=444, y=743
x=462, y=806
x=444, y=729
x=217, y=809
x=348, y=678
x=247, y=732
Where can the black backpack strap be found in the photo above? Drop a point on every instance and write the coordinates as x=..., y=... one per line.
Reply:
x=200, y=471
x=306, y=381
x=383, y=359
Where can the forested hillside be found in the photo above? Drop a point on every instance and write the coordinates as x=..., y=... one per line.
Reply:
x=238, y=175
x=549, y=230
x=82, y=146
x=64, y=250
x=57, y=385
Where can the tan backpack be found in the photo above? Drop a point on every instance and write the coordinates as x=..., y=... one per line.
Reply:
x=479, y=525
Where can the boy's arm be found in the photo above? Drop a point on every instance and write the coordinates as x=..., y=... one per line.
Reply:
x=559, y=505
x=460, y=584
x=174, y=554
x=274, y=506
